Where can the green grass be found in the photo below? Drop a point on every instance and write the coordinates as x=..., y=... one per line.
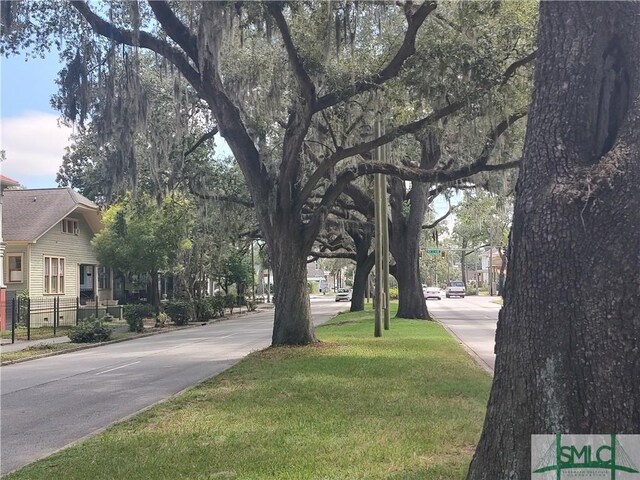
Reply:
x=406, y=406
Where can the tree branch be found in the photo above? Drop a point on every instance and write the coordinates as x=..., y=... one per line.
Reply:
x=301, y=112
x=177, y=30
x=393, y=68
x=207, y=136
x=142, y=39
x=415, y=174
x=511, y=69
x=435, y=223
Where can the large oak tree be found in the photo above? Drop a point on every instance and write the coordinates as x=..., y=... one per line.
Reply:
x=568, y=334
x=271, y=127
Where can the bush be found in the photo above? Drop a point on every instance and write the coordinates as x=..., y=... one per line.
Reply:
x=179, y=311
x=251, y=305
x=161, y=319
x=230, y=301
x=90, y=331
x=211, y=307
x=393, y=293
x=135, y=315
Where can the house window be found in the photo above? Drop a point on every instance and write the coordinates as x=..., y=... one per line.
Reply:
x=15, y=268
x=70, y=225
x=53, y=275
x=104, y=278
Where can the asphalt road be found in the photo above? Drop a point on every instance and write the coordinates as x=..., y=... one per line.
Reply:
x=473, y=321
x=49, y=403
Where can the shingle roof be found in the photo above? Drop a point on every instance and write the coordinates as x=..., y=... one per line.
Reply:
x=29, y=214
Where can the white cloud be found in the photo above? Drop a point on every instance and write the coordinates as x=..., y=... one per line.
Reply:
x=34, y=144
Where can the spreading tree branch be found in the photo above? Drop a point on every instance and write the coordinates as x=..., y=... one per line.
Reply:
x=415, y=19
x=142, y=39
x=176, y=30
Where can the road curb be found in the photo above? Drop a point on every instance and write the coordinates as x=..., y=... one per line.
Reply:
x=476, y=358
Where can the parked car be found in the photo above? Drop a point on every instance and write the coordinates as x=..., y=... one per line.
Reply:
x=432, y=292
x=455, y=289
x=343, y=294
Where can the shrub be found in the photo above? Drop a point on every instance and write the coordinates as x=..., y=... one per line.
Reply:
x=230, y=301
x=135, y=315
x=251, y=305
x=90, y=331
x=393, y=293
x=179, y=311
x=211, y=307
x=161, y=319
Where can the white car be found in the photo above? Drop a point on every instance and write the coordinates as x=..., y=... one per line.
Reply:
x=343, y=294
x=455, y=289
x=432, y=292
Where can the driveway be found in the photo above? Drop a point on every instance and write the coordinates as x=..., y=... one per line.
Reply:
x=473, y=321
x=49, y=403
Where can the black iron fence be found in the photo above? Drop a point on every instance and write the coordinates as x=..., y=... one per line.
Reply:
x=32, y=318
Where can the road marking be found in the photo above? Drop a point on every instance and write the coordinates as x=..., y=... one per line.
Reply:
x=117, y=368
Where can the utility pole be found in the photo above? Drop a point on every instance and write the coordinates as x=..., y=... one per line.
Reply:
x=253, y=276
x=385, y=244
x=382, y=314
x=491, y=271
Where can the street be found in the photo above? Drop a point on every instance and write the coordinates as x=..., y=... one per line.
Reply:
x=49, y=403
x=473, y=321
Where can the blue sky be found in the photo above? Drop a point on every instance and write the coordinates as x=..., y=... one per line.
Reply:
x=30, y=134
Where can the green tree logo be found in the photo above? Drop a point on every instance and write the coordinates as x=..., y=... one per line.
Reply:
x=585, y=458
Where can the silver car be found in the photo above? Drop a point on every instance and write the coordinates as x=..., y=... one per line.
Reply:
x=432, y=292
x=343, y=294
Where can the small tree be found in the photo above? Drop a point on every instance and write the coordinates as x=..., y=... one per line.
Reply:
x=144, y=237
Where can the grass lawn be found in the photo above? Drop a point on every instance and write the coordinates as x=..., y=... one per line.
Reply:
x=406, y=406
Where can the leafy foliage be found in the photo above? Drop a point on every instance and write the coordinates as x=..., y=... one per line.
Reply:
x=135, y=314
x=90, y=331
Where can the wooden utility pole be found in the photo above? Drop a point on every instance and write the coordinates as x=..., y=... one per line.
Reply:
x=382, y=315
x=385, y=244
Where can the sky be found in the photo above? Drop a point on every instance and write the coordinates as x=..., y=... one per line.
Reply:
x=30, y=135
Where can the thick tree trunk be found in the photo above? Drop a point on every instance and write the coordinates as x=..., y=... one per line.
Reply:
x=360, y=278
x=405, y=232
x=567, y=341
x=292, y=317
x=411, y=303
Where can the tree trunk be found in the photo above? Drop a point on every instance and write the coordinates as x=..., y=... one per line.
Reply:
x=567, y=340
x=292, y=317
x=405, y=233
x=411, y=303
x=360, y=278
x=155, y=292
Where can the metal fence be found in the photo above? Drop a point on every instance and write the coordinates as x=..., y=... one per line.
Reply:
x=31, y=318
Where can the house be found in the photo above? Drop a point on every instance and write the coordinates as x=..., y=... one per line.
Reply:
x=48, y=252
x=5, y=182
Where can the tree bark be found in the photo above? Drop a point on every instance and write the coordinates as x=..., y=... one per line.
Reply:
x=405, y=232
x=155, y=291
x=360, y=278
x=292, y=317
x=567, y=340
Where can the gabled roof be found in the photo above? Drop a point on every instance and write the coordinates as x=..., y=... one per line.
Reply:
x=29, y=214
x=8, y=181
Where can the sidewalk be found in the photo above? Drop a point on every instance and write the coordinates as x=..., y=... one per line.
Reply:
x=24, y=344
